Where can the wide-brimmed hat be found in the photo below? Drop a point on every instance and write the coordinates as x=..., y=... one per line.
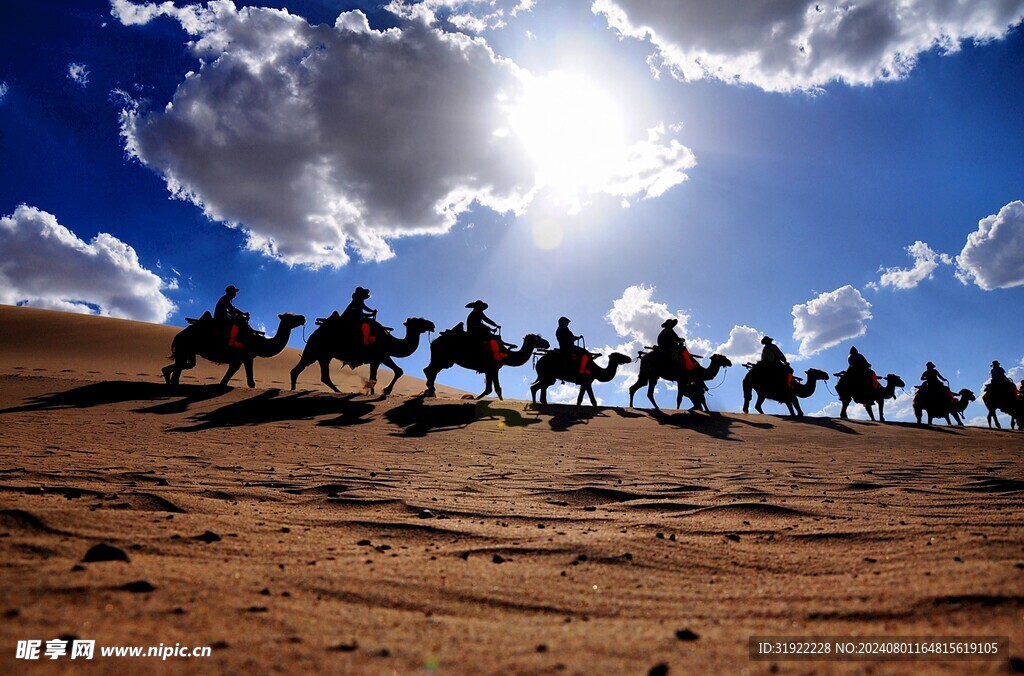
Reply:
x=766, y=340
x=669, y=323
x=930, y=365
x=563, y=320
x=360, y=292
x=477, y=305
x=995, y=363
x=231, y=288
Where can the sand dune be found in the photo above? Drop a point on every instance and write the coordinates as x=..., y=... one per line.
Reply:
x=89, y=347
x=301, y=531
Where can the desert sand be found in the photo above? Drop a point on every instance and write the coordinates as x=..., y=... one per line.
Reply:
x=308, y=531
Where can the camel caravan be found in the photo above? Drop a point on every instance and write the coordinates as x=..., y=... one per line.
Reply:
x=354, y=337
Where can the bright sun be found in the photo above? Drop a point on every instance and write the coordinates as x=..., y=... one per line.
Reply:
x=573, y=132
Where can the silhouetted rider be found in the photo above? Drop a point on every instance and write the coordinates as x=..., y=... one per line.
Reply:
x=227, y=312
x=565, y=337
x=668, y=339
x=225, y=307
x=771, y=353
x=932, y=377
x=567, y=345
x=1000, y=381
x=860, y=369
x=357, y=308
x=477, y=327
x=773, y=357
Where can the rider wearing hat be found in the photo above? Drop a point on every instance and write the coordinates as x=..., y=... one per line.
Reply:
x=358, y=314
x=860, y=369
x=357, y=308
x=668, y=339
x=771, y=353
x=227, y=312
x=1000, y=380
x=477, y=324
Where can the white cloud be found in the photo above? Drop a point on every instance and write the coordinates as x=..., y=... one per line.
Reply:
x=744, y=344
x=993, y=257
x=803, y=44
x=926, y=261
x=829, y=319
x=566, y=393
x=465, y=15
x=79, y=74
x=318, y=141
x=3, y=90
x=45, y=265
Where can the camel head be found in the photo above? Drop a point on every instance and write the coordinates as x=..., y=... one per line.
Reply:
x=532, y=341
x=290, y=321
x=895, y=380
x=418, y=325
x=618, y=359
x=816, y=374
x=966, y=395
x=720, y=359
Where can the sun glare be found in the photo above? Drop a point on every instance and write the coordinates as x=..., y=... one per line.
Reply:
x=573, y=132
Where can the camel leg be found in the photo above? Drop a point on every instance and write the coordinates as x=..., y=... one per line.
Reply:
x=169, y=370
x=881, y=411
x=799, y=411
x=589, y=389
x=757, y=404
x=533, y=391
x=304, y=361
x=325, y=374
x=651, y=384
x=634, y=388
x=497, y=386
x=957, y=418
x=390, y=363
x=747, y=393
x=232, y=370
x=487, y=386
x=994, y=416
x=249, y=379
x=871, y=411
x=431, y=374
x=842, y=412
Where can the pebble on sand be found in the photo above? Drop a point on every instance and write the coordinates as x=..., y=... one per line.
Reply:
x=138, y=587
x=208, y=537
x=104, y=552
x=686, y=635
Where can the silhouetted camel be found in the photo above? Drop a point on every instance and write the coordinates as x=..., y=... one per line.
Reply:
x=335, y=340
x=558, y=366
x=1003, y=399
x=937, y=402
x=660, y=364
x=863, y=392
x=457, y=348
x=770, y=383
x=208, y=339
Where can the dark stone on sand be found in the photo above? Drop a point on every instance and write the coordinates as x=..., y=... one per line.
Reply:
x=384, y=652
x=12, y=613
x=77, y=568
x=138, y=587
x=364, y=543
x=686, y=635
x=542, y=648
x=346, y=647
x=286, y=529
x=104, y=552
x=258, y=609
x=265, y=591
x=658, y=670
x=868, y=559
x=660, y=536
x=1016, y=665
x=207, y=537
x=464, y=556
x=426, y=514
x=732, y=537
x=498, y=558
x=627, y=556
x=590, y=508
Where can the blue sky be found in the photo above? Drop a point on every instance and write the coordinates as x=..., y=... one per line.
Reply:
x=805, y=173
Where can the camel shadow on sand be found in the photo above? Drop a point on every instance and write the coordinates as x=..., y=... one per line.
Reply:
x=562, y=417
x=714, y=425
x=271, y=406
x=175, y=399
x=416, y=418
